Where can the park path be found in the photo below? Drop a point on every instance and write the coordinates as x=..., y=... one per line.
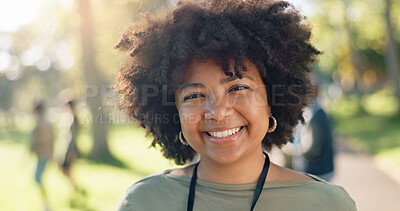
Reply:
x=367, y=182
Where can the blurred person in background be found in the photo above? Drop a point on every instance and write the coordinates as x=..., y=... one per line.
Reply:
x=312, y=150
x=320, y=157
x=72, y=152
x=42, y=146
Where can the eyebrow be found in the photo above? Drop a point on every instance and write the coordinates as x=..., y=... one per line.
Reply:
x=222, y=81
x=193, y=85
x=229, y=79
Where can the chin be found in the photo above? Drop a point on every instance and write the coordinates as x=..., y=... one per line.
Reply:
x=225, y=156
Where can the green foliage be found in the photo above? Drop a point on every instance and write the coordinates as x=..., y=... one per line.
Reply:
x=353, y=36
x=346, y=106
x=381, y=103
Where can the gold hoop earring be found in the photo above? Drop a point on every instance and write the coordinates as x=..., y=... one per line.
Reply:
x=182, y=139
x=273, y=128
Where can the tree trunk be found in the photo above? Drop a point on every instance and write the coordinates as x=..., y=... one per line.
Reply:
x=356, y=58
x=392, y=63
x=355, y=55
x=93, y=79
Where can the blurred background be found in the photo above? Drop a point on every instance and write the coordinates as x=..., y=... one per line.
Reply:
x=61, y=50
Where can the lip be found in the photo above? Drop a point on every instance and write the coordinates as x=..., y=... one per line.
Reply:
x=226, y=140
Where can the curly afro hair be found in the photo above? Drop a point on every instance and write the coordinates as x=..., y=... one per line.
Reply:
x=270, y=34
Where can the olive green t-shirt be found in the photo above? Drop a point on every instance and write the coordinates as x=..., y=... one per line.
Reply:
x=166, y=191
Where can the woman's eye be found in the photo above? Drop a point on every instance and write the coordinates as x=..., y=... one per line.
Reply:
x=238, y=88
x=192, y=96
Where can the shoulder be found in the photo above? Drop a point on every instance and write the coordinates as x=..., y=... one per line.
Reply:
x=328, y=195
x=139, y=192
x=145, y=187
x=310, y=195
x=312, y=190
x=152, y=193
x=282, y=174
x=185, y=171
x=331, y=195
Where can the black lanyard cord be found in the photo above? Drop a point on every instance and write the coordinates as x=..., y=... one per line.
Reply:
x=192, y=189
x=257, y=192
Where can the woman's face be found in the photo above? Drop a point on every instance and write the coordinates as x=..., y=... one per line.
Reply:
x=223, y=118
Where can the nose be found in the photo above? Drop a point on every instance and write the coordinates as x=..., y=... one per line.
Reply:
x=218, y=109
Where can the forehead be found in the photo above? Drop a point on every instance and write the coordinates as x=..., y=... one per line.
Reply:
x=210, y=69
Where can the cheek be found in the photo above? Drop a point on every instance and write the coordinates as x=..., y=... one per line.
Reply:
x=262, y=107
x=255, y=109
x=253, y=99
x=261, y=98
x=189, y=117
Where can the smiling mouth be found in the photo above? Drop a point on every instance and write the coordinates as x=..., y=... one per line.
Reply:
x=225, y=133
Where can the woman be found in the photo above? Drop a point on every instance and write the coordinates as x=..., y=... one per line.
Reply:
x=223, y=80
x=72, y=152
x=42, y=146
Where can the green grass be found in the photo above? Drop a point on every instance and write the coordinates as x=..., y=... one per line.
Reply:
x=104, y=184
x=370, y=133
x=370, y=123
x=379, y=136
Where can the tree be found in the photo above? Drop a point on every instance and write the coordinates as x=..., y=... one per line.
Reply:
x=93, y=78
x=392, y=63
x=92, y=73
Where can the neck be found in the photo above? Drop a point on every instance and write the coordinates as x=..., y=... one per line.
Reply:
x=246, y=170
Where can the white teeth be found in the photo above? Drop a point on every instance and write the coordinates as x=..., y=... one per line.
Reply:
x=225, y=133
